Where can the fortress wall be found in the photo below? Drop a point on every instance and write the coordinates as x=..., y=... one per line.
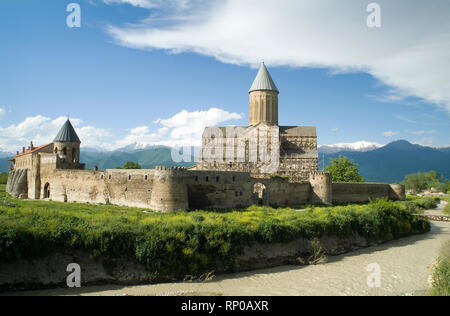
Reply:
x=360, y=192
x=285, y=194
x=170, y=192
x=73, y=186
x=132, y=188
x=219, y=190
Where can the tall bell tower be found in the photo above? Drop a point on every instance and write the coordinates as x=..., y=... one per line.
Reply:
x=263, y=99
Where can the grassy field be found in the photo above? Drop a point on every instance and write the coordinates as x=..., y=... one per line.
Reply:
x=186, y=243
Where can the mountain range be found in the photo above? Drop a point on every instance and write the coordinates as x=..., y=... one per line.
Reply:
x=376, y=163
x=392, y=162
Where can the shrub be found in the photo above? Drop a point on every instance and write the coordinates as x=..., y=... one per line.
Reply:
x=186, y=243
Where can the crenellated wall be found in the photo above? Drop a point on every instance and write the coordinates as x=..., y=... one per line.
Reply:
x=171, y=189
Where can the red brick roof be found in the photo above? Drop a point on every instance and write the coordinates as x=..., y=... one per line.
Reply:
x=29, y=151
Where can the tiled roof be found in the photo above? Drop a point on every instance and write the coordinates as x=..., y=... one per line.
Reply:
x=67, y=134
x=29, y=151
x=263, y=81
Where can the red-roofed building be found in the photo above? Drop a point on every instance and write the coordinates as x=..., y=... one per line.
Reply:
x=27, y=166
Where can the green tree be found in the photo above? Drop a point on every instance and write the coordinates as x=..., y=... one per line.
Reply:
x=343, y=169
x=130, y=165
x=426, y=180
x=3, y=178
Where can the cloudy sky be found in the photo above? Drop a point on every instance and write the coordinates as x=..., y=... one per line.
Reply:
x=159, y=71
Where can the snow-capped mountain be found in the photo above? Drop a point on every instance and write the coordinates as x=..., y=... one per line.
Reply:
x=138, y=147
x=362, y=146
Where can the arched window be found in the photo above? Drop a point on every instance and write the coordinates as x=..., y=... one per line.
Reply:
x=56, y=150
x=74, y=157
x=64, y=151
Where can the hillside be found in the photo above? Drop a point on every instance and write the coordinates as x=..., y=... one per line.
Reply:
x=392, y=162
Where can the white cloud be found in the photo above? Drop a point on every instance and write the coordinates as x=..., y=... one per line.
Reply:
x=150, y=4
x=335, y=130
x=183, y=129
x=42, y=130
x=390, y=134
x=405, y=119
x=2, y=113
x=427, y=141
x=410, y=52
x=424, y=132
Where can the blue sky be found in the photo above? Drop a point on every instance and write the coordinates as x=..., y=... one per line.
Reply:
x=148, y=71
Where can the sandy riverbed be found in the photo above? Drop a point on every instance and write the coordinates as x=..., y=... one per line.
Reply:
x=405, y=270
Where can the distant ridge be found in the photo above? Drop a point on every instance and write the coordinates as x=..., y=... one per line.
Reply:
x=392, y=162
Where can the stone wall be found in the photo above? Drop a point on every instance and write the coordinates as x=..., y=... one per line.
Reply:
x=283, y=194
x=128, y=187
x=362, y=192
x=17, y=184
x=172, y=189
x=219, y=190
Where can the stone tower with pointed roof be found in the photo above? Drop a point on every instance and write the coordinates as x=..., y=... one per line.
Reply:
x=67, y=146
x=263, y=99
x=262, y=148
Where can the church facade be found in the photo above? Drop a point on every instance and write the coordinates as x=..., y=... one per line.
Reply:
x=262, y=163
x=263, y=148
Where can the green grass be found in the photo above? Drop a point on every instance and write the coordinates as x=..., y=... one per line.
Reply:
x=2, y=191
x=447, y=209
x=186, y=243
x=441, y=273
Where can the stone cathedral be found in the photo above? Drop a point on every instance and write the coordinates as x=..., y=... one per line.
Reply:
x=263, y=148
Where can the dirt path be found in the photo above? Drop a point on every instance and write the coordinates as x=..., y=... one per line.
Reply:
x=405, y=269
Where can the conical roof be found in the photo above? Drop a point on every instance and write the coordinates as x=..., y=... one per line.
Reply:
x=67, y=134
x=263, y=81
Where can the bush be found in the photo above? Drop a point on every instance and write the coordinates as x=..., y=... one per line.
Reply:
x=419, y=204
x=178, y=244
x=425, y=181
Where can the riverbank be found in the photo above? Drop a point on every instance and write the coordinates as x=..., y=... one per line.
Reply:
x=405, y=270
x=135, y=247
